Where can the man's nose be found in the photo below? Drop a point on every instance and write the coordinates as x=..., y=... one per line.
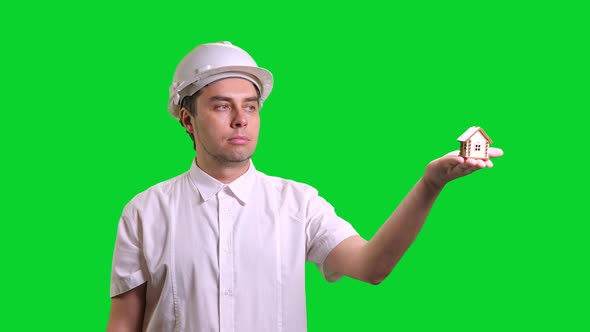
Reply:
x=239, y=120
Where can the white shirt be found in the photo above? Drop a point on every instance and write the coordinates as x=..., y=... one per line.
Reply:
x=224, y=257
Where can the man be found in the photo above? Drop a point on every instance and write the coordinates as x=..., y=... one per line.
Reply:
x=222, y=247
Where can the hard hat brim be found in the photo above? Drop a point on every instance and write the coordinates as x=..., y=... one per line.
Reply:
x=262, y=75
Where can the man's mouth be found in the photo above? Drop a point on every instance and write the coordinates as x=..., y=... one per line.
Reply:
x=238, y=140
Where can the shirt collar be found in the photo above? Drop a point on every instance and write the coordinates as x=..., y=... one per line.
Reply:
x=208, y=186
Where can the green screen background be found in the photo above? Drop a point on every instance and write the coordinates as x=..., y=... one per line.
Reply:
x=366, y=94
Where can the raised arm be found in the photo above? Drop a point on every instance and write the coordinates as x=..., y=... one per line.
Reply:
x=373, y=260
x=127, y=311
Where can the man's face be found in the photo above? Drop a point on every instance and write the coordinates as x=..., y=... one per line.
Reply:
x=227, y=121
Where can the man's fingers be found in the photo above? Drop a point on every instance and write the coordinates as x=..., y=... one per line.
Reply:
x=492, y=152
x=451, y=160
x=495, y=152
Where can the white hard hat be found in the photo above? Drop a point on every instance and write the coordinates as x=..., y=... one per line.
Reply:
x=211, y=62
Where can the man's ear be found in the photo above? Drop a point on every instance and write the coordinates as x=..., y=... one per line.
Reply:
x=185, y=120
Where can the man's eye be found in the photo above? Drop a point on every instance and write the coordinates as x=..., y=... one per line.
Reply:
x=251, y=108
x=222, y=107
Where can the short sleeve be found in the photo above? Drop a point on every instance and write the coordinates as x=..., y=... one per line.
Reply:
x=129, y=269
x=324, y=231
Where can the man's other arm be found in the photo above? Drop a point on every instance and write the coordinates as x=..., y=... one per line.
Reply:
x=127, y=311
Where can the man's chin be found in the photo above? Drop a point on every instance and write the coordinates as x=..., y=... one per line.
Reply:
x=236, y=159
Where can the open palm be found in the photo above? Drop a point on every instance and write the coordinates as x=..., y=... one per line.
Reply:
x=451, y=166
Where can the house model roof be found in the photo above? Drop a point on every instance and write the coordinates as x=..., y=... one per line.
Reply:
x=470, y=132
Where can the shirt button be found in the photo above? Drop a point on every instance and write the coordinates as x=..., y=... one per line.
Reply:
x=228, y=292
x=226, y=250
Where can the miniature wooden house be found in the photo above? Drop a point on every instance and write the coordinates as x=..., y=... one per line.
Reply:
x=475, y=143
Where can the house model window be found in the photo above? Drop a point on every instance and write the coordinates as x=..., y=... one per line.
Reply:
x=475, y=143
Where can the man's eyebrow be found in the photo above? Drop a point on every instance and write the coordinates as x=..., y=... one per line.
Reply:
x=222, y=98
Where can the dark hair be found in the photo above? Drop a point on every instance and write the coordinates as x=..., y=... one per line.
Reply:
x=189, y=102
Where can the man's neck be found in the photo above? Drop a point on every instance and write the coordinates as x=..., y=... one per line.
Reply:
x=223, y=172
